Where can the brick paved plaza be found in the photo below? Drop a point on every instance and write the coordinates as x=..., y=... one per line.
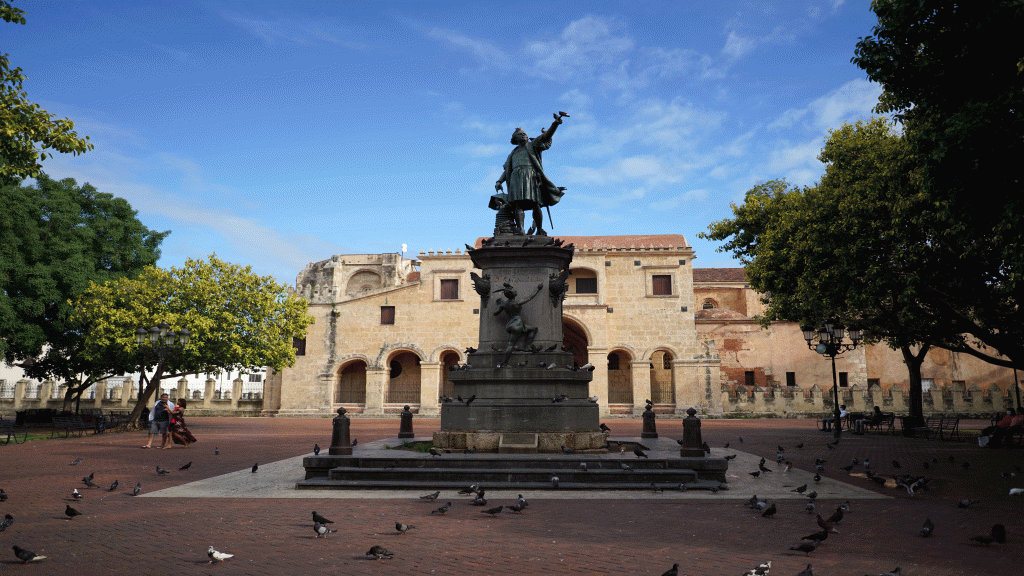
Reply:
x=270, y=531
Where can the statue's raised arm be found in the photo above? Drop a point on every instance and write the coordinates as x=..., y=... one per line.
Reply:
x=523, y=175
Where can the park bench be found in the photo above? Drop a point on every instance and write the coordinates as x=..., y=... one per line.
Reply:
x=886, y=424
x=68, y=424
x=944, y=426
x=9, y=430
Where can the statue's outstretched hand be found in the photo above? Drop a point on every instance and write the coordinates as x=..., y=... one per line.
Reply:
x=497, y=187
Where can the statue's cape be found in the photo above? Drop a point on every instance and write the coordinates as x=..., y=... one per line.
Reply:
x=549, y=193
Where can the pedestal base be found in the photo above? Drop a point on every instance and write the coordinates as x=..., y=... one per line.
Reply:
x=490, y=441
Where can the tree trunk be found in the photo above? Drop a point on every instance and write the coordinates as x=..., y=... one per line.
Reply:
x=914, y=362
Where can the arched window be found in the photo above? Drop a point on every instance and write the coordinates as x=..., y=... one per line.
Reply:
x=709, y=304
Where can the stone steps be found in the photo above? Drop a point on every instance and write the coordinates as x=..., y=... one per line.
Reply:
x=431, y=485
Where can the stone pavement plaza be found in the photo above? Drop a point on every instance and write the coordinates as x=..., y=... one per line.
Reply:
x=267, y=525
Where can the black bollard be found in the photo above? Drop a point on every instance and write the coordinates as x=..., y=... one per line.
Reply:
x=692, y=443
x=341, y=445
x=405, y=427
x=650, y=428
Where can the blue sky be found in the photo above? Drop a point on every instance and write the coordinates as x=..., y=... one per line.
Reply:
x=279, y=133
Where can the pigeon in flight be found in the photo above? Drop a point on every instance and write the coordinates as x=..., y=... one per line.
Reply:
x=320, y=519
x=186, y=466
x=76, y=494
x=321, y=530
x=161, y=471
x=379, y=552
x=26, y=555
x=6, y=522
x=137, y=489
x=443, y=509
x=430, y=497
x=76, y=461
x=927, y=528
x=114, y=486
x=216, y=556
x=316, y=449
x=71, y=512
x=402, y=528
x=493, y=511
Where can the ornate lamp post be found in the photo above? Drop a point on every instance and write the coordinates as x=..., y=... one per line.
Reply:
x=162, y=340
x=830, y=343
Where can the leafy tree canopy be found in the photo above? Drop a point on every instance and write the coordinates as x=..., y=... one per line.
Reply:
x=26, y=130
x=56, y=238
x=237, y=320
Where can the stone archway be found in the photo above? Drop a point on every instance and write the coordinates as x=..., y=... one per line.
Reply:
x=620, y=377
x=663, y=390
x=352, y=383
x=448, y=358
x=574, y=336
x=404, y=385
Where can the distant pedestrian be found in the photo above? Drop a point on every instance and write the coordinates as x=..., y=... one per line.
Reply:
x=159, y=419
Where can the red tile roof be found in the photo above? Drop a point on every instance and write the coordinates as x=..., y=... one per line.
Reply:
x=613, y=242
x=719, y=275
x=413, y=277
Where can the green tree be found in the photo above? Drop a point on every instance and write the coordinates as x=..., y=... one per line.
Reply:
x=237, y=321
x=951, y=73
x=57, y=237
x=26, y=130
x=846, y=248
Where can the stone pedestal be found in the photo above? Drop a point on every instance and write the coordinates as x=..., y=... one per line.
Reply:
x=537, y=390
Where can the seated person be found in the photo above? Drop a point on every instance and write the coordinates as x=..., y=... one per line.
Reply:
x=1013, y=424
x=872, y=420
x=826, y=423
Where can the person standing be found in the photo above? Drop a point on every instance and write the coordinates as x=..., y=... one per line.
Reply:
x=180, y=433
x=159, y=419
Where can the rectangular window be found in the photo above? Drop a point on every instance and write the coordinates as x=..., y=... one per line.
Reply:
x=255, y=377
x=387, y=315
x=790, y=378
x=450, y=289
x=586, y=285
x=662, y=285
x=844, y=379
x=927, y=384
x=300, y=347
x=749, y=379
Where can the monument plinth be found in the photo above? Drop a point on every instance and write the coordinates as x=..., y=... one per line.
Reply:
x=520, y=379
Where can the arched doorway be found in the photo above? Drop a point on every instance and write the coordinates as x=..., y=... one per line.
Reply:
x=574, y=337
x=663, y=390
x=448, y=359
x=352, y=384
x=620, y=378
x=404, y=384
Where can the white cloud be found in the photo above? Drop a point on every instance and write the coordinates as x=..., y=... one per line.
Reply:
x=851, y=101
x=737, y=46
x=486, y=51
x=688, y=197
x=484, y=150
x=583, y=46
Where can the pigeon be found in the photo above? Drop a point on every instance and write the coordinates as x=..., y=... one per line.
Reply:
x=402, y=528
x=479, y=500
x=430, y=497
x=593, y=399
x=434, y=452
x=605, y=428
x=826, y=525
x=470, y=399
x=159, y=471
x=186, y=466
x=820, y=536
x=817, y=477
x=89, y=483
x=517, y=508
x=763, y=468
x=137, y=489
x=809, y=507
x=320, y=519
x=470, y=490
x=800, y=490
x=76, y=494
x=704, y=446
x=493, y=511
x=625, y=467
x=769, y=511
x=761, y=570
x=741, y=439
x=673, y=571
x=806, y=547
x=568, y=450
x=443, y=509
x=3, y=495
x=752, y=502
x=996, y=534
x=6, y=522
x=730, y=457
x=26, y=555
x=639, y=453
x=807, y=571
x=355, y=442
x=726, y=446
x=76, y=462
x=800, y=445
x=927, y=528
x=379, y=552
x=755, y=474
x=813, y=495
x=1016, y=491
x=554, y=481
x=321, y=530
x=216, y=451
x=255, y=467
x=583, y=466
x=114, y=486
x=216, y=556
x=966, y=502
x=895, y=572
x=91, y=475
x=471, y=450
x=836, y=516
x=966, y=465
x=656, y=489
x=780, y=448
x=847, y=468
x=71, y=512
x=559, y=398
